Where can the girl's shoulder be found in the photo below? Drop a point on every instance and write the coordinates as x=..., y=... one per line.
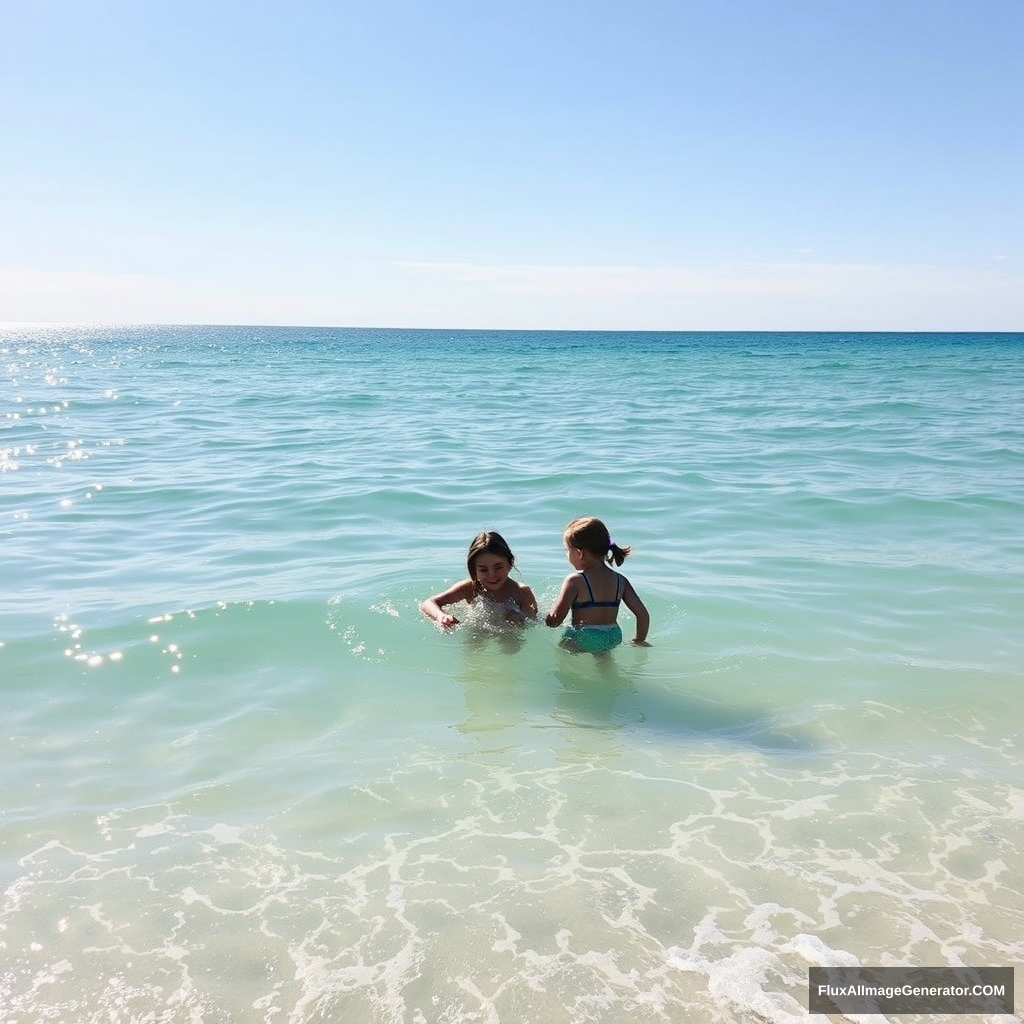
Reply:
x=466, y=590
x=520, y=588
x=626, y=586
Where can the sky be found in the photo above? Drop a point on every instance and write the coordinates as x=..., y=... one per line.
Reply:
x=537, y=164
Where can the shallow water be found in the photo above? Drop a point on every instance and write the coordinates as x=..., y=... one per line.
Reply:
x=245, y=780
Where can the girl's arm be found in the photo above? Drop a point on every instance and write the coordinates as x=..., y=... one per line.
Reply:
x=557, y=615
x=527, y=605
x=433, y=607
x=643, y=617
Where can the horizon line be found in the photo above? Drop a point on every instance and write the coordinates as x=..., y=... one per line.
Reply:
x=15, y=324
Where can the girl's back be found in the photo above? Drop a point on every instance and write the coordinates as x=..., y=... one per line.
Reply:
x=598, y=594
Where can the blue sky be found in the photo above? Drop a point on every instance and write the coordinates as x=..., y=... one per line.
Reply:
x=664, y=165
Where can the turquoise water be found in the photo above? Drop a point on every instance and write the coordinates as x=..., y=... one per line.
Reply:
x=246, y=781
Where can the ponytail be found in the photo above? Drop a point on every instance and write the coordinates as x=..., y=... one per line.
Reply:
x=617, y=554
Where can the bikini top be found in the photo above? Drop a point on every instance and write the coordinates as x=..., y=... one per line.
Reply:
x=599, y=604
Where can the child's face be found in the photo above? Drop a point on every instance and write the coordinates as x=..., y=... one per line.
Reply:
x=491, y=571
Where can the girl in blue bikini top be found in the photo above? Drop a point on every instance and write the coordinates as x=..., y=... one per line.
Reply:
x=594, y=592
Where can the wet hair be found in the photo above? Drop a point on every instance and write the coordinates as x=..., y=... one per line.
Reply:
x=590, y=534
x=489, y=543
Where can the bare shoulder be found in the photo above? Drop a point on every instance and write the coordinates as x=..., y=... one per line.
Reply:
x=525, y=597
x=464, y=590
x=571, y=580
x=629, y=594
x=570, y=586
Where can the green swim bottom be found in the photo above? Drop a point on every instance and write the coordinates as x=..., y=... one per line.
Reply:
x=593, y=639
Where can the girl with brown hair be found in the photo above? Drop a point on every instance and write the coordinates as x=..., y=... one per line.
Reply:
x=489, y=562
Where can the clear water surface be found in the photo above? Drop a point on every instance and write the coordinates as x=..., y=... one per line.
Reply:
x=246, y=781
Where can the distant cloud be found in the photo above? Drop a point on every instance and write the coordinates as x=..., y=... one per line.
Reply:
x=762, y=279
x=56, y=296
x=797, y=295
x=743, y=296
x=38, y=295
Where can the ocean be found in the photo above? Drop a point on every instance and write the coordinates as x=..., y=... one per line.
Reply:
x=245, y=780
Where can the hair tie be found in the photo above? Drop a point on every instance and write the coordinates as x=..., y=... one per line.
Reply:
x=611, y=544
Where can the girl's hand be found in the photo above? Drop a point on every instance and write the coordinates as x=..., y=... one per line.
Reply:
x=446, y=621
x=550, y=619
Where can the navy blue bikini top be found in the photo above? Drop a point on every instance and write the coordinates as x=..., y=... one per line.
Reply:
x=599, y=604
